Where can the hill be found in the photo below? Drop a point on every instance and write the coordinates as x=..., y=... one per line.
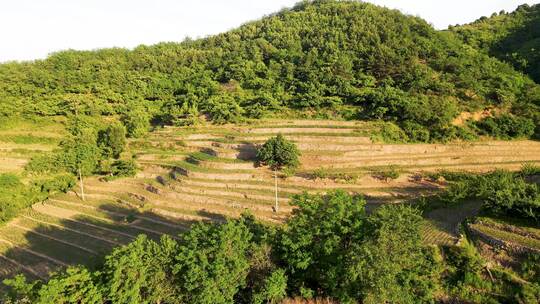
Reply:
x=512, y=37
x=342, y=59
x=401, y=189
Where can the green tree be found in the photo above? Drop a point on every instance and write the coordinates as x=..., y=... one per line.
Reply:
x=212, y=264
x=74, y=285
x=112, y=140
x=318, y=237
x=277, y=152
x=141, y=272
x=391, y=265
x=136, y=120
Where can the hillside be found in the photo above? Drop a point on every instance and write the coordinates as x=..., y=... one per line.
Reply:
x=322, y=59
x=209, y=173
x=512, y=37
x=332, y=152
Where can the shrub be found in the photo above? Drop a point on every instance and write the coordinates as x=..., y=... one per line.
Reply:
x=389, y=173
x=43, y=163
x=507, y=127
x=224, y=108
x=59, y=183
x=391, y=133
x=517, y=198
x=120, y=168
x=137, y=121
x=415, y=131
x=529, y=169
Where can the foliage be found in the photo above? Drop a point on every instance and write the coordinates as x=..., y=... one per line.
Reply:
x=329, y=243
x=14, y=196
x=507, y=127
x=518, y=199
x=511, y=37
x=136, y=120
x=390, y=133
x=389, y=173
x=501, y=192
x=345, y=58
x=119, y=168
x=212, y=263
x=277, y=152
x=112, y=140
x=329, y=248
x=529, y=169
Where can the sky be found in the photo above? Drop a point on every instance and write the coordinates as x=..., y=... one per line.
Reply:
x=31, y=29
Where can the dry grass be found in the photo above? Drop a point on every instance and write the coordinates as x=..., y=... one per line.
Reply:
x=217, y=186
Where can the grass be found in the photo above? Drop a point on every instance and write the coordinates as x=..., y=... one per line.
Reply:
x=508, y=236
x=29, y=139
x=203, y=197
x=432, y=234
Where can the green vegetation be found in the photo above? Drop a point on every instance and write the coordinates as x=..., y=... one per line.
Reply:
x=15, y=195
x=513, y=37
x=506, y=127
x=277, y=153
x=330, y=247
x=502, y=193
x=342, y=59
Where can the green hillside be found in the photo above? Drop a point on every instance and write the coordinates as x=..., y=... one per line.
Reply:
x=342, y=59
x=512, y=37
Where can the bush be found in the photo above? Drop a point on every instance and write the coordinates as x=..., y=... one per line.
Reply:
x=415, y=131
x=391, y=133
x=43, y=163
x=120, y=168
x=14, y=196
x=56, y=184
x=517, y=198
x=529, y=169
x=389, y=173
x=137, y=121
x=507, y=127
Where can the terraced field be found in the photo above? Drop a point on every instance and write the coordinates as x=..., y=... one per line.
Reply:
x=515, y=234
x=19, y=141
x=208, y=173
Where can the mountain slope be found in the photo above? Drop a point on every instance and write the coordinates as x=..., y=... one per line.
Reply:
x=512, y=37
x=350, y=59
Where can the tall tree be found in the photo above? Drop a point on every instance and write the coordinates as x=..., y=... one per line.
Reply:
x=277, y=153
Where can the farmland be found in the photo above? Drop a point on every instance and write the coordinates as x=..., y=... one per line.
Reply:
x=208, y=173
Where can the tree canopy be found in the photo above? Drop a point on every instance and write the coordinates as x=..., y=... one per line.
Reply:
x=352, y=59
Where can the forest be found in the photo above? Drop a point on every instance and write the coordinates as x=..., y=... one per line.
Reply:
x=342, y=59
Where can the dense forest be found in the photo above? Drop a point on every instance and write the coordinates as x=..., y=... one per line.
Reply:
x=512, y=37
x=344, y=59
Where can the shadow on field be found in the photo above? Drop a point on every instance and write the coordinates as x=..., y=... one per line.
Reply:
x=79, y=236
x=448, y=219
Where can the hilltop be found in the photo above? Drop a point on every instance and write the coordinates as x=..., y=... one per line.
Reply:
x=512, y=37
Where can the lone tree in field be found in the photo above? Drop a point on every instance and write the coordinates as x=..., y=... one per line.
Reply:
x=278, y=153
